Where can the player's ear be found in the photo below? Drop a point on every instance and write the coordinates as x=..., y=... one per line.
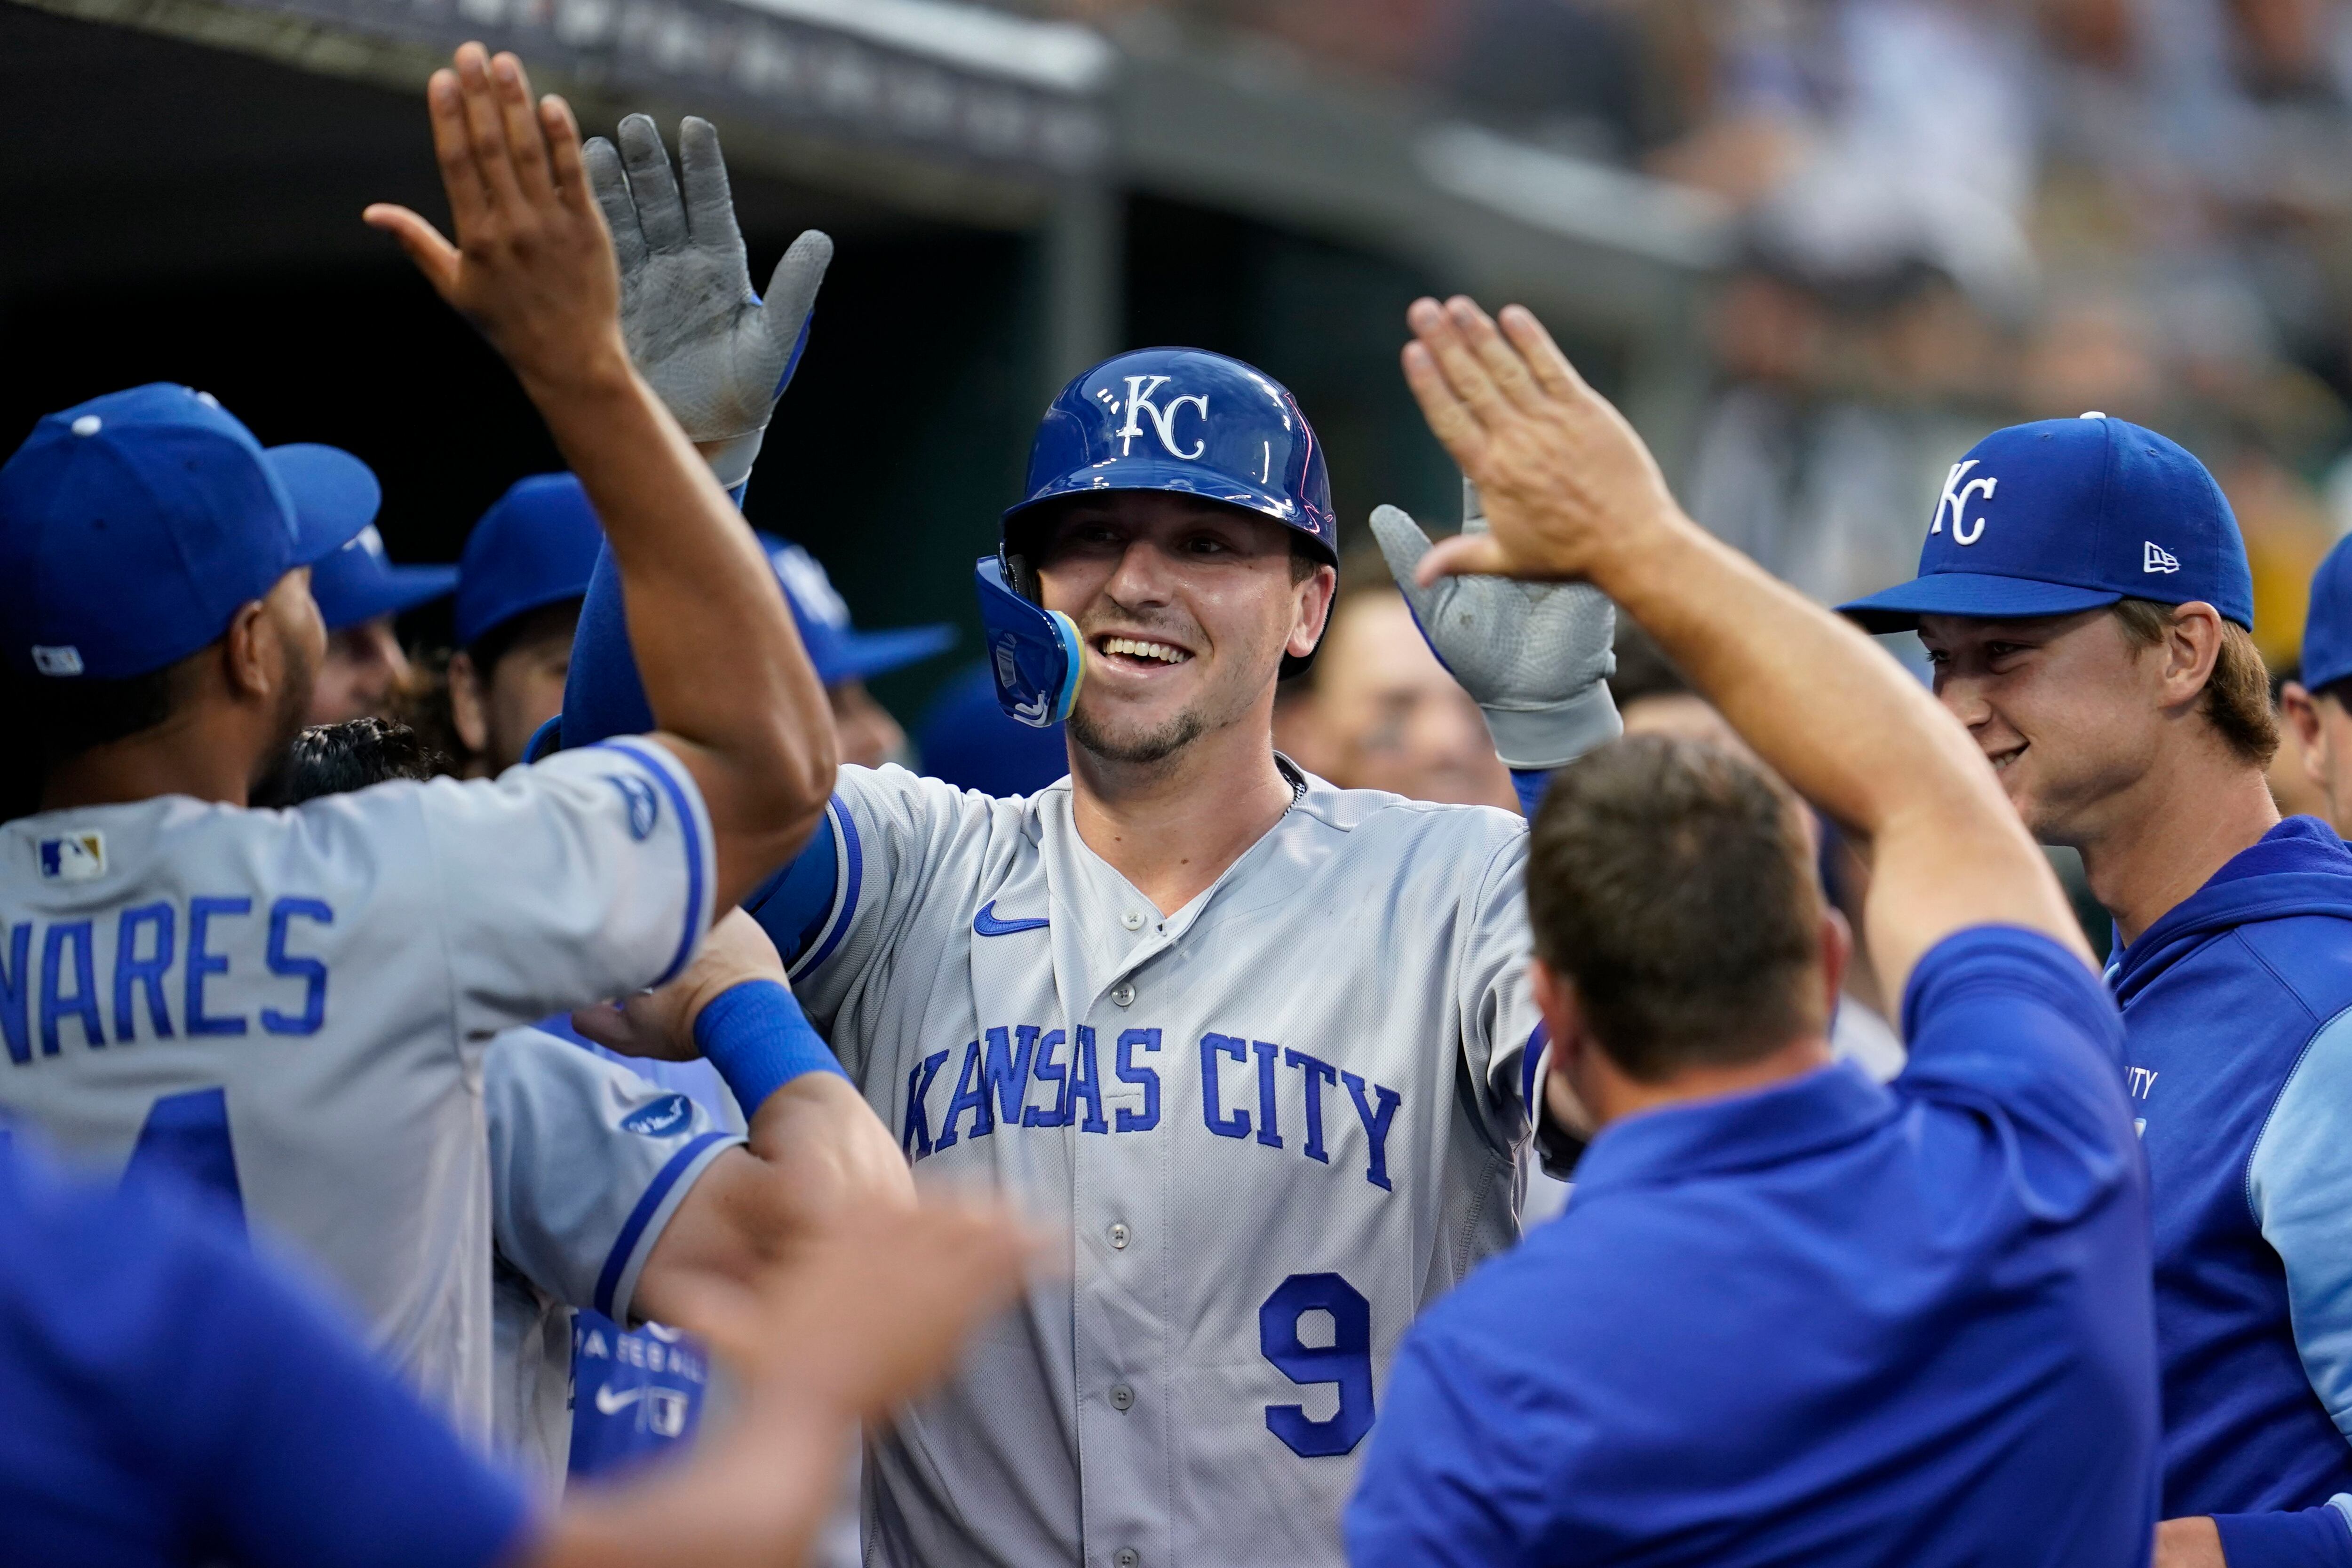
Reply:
x=1555, y=997
x=1837, y=952
x=1316, y=592
x=469, y=711
x=249, y=651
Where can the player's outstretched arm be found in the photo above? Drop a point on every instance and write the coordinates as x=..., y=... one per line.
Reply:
x=862, y=1317
x=532, y=268
x=816, y=1148
x=1572, y=494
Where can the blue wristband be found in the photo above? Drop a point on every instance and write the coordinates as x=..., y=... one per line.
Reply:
x=756, y=1037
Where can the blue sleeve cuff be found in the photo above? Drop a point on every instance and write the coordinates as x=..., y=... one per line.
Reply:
x=2311, y=1537
x=1530, y=784
x=759, y=1041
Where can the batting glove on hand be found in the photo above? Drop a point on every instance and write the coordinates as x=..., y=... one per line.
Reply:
x=716, y=353
x=1535, y=655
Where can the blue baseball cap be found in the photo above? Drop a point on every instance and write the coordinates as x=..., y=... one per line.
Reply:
x=603, y=696
x=358, y=583
x=2065, y=515
x=536, y=546
x=133, y=526
x=835, y=646
x=2328, y=629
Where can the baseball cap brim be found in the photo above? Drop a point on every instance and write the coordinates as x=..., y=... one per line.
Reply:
x=1977, y=595
x=335, y=495
x=861, y=655
x=396, y=589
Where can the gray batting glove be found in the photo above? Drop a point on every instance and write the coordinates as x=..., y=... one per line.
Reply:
x=715, y=353
x=1535, y=655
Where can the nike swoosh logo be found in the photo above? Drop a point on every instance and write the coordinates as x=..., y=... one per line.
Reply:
x=988, y=925
x=608, y=1404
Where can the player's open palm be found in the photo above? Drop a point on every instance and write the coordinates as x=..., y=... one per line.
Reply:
x=1563, y=475
x=532, y=267
x=715, y=353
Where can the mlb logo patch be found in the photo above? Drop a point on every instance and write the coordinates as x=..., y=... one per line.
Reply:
x=74, y=857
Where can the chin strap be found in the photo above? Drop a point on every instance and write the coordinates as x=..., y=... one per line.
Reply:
x=1034, y=654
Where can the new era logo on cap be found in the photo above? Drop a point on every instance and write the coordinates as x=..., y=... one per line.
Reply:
x=2156, y=558
x=64, y=661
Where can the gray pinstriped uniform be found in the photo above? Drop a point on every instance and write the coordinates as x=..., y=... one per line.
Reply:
x=1276, y=1123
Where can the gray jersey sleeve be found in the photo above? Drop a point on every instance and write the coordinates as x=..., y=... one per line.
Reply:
x=892, y=832
x=592, y=873
x=588, y=1163
x=1502, y=1032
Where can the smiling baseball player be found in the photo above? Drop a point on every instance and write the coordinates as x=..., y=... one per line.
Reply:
x=1260, y=1044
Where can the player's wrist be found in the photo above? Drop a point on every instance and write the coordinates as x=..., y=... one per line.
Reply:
x=591, y=377
x=755, y=1033
x=1538, y=738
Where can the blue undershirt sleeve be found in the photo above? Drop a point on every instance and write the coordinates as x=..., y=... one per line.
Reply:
x=794, y=905
x=1530, y=784
x=2299, y=1181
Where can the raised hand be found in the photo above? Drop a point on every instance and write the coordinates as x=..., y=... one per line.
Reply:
x=717, y=354
x=1563, y=475
x=1534, y=655
x=532, y=267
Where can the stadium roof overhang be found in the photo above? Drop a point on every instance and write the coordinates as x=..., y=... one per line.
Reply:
x=964, y=113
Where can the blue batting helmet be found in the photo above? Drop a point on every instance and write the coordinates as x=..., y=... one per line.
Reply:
x=1187, y=420
x=1183, y=420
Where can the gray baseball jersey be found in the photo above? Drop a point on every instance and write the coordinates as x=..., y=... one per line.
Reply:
x=291, y=1007
x=588, y=1162
x=1277, y=1121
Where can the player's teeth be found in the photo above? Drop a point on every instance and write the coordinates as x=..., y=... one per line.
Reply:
x=1142, y=650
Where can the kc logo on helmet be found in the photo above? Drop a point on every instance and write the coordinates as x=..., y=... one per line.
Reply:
x=1956, y=501
x=1140, y=390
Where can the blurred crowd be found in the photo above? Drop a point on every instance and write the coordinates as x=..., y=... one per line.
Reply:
x=1952, y=214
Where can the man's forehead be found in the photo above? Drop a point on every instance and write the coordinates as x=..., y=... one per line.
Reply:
x=1148, y=509
x=1935, y=628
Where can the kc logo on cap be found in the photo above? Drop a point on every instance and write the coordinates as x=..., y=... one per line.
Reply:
x=1956, y=502
x=2057, y=517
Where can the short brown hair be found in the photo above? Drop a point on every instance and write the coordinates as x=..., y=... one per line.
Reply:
x=1671, y=883
x=2237, y=697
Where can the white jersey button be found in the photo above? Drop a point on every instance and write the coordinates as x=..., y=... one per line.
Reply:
x=1118, y=1235
x=1126, y=1557
x=1132, y=920
x=1123, y=994
x=1122, y=1397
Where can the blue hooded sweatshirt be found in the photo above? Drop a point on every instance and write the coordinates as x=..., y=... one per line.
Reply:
x=2238, y=1041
